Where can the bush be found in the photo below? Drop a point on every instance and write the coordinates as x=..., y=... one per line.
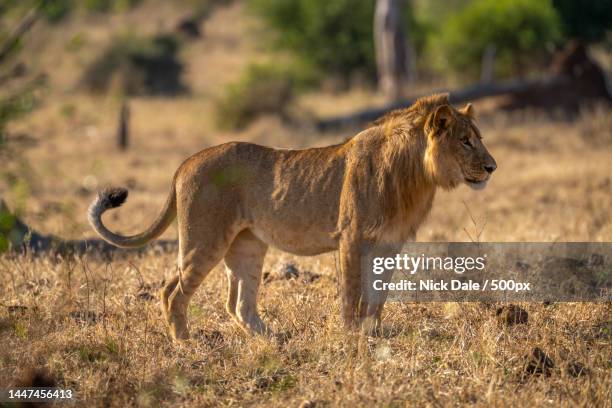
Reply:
x=585, y=20
x=141, y=66
x=262, y=89
x=15, y=105
x=335, y=36
x=520, y=31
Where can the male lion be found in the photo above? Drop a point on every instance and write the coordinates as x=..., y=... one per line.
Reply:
x=234, y=200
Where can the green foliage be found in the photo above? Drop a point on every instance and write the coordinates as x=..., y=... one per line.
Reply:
x=588, y=20
x=335, y=36
x=13, y=106
x=262, y=89
x=56, y=10
x=143, y=65
x=98, y=5
x=105, y=6
x=520, y=31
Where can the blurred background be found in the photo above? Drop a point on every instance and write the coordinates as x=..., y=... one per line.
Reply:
x=120, y=92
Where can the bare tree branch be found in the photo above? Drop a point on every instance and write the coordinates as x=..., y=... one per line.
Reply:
x=23, y=27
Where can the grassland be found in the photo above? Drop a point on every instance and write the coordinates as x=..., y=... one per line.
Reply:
x=93, y=324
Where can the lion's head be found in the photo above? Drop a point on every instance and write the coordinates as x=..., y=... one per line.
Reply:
x=455, y=152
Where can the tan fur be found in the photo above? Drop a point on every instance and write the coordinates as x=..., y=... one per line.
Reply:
x=233, y=200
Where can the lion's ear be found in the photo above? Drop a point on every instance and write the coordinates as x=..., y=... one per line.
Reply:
x=468, y=111
x=442, y=118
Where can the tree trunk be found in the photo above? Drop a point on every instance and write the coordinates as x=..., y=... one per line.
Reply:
x=488, y=64
x=394, y=55
x=123, y=128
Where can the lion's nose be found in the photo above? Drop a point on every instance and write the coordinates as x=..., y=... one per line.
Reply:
x=490, y=167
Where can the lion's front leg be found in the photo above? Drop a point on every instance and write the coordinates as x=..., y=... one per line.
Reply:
x=372, y=301
x=374, y=290
x=362, y=304
x=350, y=281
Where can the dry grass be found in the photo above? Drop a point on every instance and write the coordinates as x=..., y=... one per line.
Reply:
x=94, y=327
x=95, y=324
x=553, y=183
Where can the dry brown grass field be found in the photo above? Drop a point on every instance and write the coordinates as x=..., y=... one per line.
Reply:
x=92, y=324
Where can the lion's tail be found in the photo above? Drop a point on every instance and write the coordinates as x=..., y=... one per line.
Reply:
x=115, y=197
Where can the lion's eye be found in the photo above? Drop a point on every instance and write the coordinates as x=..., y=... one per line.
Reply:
x=466, y=143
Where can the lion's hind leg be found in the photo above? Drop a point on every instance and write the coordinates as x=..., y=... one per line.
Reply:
x=198, y=255
x=243, y=263
x=165, y=293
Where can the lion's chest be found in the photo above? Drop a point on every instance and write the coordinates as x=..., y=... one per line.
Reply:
x=403, y=227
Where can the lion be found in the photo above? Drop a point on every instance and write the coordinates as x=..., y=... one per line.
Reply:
x=234, y=200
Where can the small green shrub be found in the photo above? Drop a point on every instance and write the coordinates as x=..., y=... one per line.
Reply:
x=262, y=89
x=141, y=66
x=520, y=31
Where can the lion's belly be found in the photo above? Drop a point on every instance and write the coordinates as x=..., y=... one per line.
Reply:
x=306, y=241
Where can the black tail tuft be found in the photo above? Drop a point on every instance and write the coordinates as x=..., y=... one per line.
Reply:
x=113, y=197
